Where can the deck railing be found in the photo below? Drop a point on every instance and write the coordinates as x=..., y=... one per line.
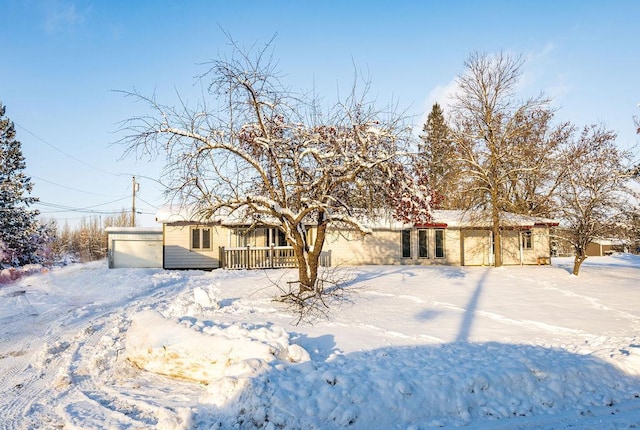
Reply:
x=258, y=257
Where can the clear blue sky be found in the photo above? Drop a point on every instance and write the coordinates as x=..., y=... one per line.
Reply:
x=61, y=59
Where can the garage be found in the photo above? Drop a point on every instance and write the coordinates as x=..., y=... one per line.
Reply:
x=131, y=247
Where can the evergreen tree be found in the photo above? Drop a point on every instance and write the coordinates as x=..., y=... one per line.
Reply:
x=20, y=235
x=437, y=159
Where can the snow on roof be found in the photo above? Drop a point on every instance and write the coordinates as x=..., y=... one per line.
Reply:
x=171, y=214
x=611, y=241
x=133, y=229
x=441, y=218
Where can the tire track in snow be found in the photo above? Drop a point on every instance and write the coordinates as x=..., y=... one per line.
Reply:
x=493, y=316
x=49, y=348
x=595, y=303
x=27, y=388
x=392, y=333
x=90, y=365
x=550, y=328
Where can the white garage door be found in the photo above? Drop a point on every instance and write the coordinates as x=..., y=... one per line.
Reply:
x=137, y=253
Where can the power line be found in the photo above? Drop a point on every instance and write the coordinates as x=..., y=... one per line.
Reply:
x=62, y=208
x=143, y=201
x=64, y=152
x=70, y=188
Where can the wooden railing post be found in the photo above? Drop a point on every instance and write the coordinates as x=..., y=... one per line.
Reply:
x=221, y=259
x=271, y=251
x=253, y=257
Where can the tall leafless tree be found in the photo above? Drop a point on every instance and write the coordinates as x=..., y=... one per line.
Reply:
x=594, y=195
x=490, y=127
x=280, y=160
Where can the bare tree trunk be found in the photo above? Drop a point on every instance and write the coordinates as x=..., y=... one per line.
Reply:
x=308, y=261
x=497, y=237
x=579, y=259
x=307, y=272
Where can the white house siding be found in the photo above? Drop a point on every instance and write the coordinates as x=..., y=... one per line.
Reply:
x=130, y=247
x=511, y=248
x=476, y=247
x=541, y=245
x=385, y=247
x=177, y=247
x=349, y=249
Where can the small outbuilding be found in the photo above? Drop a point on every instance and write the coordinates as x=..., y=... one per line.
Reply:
x=600, y=247
x=134, y=247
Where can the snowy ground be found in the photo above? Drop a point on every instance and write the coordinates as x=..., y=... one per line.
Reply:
x=85, y=347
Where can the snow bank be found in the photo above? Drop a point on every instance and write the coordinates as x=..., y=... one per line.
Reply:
x=444, y=385
x=167, y=347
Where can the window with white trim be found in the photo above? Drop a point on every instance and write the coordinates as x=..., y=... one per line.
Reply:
x=526, y=239
x=423, y=243
x=439, y=241
x=201, y=238
x=406, y=243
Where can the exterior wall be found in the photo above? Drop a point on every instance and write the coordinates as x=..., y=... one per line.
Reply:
x=134, y=247
x=476, y=248
x=384, y=247
x=511, y=249
x=597, y=250
x=453, y=247
x=541, y=245
x=350, y=249
x=177, y=247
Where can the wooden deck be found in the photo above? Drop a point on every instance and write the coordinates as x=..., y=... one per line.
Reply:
x=257, y=257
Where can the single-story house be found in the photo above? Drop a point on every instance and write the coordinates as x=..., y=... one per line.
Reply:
x=134, y=247
x=451, y=238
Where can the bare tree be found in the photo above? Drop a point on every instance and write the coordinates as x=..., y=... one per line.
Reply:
x=490, y=127
x=594, y=195
x=277, y=159
x=535, y=167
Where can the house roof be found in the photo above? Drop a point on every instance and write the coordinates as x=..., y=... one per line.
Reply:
x=133, y=230
x=611, y=241
x=440, y=218
x=172, y=214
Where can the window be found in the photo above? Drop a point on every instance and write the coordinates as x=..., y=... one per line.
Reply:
x=526, y=239
x=201, y=238
x=439, y=243
x=195, y=238
x=241, y=237
x=276, y=238
x=423, y=243
x=206, y=238
x=406, y=243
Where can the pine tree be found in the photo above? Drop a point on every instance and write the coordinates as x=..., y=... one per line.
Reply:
x=437, y=157
x=20, y=237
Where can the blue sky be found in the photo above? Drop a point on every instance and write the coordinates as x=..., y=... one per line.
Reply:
x=61, y=61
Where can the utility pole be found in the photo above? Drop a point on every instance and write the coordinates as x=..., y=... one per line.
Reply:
x=135, y=187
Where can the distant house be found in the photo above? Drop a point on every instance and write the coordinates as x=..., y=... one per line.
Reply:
x=602, y=247
x=451, y=238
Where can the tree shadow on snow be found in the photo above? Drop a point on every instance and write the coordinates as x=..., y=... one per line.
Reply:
x=617, y=261
x=357, y=276
x=456, y=384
